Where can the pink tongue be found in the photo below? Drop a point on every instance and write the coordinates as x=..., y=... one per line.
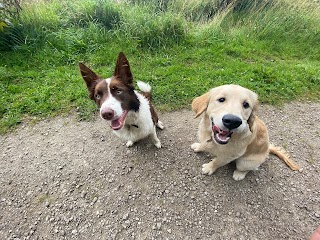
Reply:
x=118, y=123
x=221, y=132
x=115, y=124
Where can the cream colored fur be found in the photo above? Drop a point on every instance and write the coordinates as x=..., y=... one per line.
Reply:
x=249, y=143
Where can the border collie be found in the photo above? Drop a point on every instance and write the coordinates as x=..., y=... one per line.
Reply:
x=131, y=114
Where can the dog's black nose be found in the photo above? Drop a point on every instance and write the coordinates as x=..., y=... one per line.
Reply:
x=231, y=121
x=107, y=114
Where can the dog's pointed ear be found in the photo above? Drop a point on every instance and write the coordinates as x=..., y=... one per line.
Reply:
x=122, y=69
x=200, y=104
x=90, y=77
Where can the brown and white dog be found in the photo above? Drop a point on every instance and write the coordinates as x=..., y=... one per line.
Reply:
x=231, y=131
x=131, y=114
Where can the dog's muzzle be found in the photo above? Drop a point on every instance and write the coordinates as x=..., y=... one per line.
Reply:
x=221, y=136
x=230, y=122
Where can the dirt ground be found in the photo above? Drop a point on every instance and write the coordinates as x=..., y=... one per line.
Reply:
x=64, y=179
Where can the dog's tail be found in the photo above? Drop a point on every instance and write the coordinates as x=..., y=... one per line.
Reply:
x=145, y=89
x=284, y=155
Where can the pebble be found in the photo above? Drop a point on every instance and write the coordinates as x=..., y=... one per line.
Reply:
x=125, y=216
x=83, y=194
x=159, y=226
x=94, y=201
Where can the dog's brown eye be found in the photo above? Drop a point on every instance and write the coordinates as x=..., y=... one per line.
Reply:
x=246, y=105
x=97, y=96
x=119, y=91
x=221, y=99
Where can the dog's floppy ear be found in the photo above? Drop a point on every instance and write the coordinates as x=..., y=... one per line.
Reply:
x=122, y=70
x=253, y=115
x=90, y=78
x=200, y=104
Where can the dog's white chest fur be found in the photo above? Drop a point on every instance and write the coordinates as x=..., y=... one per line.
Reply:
x=138, y=125
x=233, y=150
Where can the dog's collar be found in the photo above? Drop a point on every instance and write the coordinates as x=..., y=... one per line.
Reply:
x=132, y=125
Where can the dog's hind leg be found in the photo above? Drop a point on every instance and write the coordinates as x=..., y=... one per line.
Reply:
x=239, y=175
x=155, y=139
x=245, y=165
x=159, y=124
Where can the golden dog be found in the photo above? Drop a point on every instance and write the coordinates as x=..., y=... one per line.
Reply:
x=230, y=130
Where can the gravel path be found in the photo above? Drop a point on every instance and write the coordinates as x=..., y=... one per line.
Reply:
x=64, y=179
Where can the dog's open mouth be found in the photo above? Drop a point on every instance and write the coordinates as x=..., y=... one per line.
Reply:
x=221, y=136
x=119, y=122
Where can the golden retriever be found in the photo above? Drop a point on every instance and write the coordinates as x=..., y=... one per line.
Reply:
x=231, y=131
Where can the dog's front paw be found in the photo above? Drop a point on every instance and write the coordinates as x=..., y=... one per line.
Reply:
x=208, y=168
x=129, y=143
x=196, y=147
x=239, y=175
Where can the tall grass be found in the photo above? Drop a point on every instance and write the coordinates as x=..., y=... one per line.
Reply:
x=182, y=47
x=157, y=23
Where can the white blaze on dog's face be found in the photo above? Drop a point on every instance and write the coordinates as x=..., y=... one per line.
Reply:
x=115, y=99
x=229, y=108
x=114, y=96
x=109, y=102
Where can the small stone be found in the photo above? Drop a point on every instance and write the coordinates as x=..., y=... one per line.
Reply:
x=94, y=200
x=125, y=216
x=159, y=226
x=83, y=194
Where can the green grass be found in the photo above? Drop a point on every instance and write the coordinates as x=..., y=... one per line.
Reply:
x=182, y=48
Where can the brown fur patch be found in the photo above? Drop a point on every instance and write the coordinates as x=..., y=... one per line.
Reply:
x=260, y=142
x=91, y=79
x=252, y=117
x=154, y=114
x=100, y=89
x=122, y=70
x=124, y=93
x=200, y=104
x=147, y=95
